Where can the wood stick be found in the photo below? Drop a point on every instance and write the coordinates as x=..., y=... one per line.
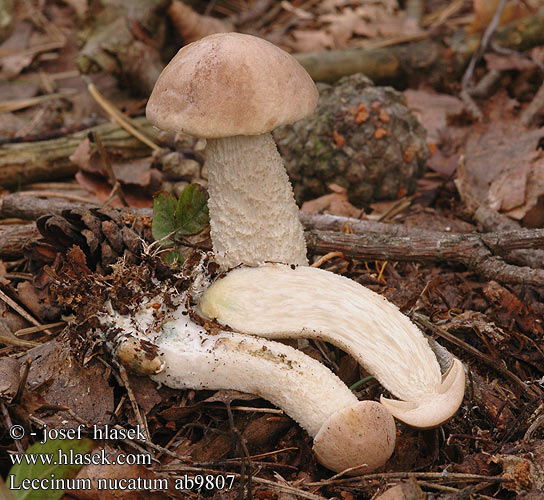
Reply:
x=481, y=253
x=413, y=62
x=25, y=162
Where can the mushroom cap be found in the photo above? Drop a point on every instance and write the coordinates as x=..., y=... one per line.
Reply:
x=230, y=84
x=360, y=436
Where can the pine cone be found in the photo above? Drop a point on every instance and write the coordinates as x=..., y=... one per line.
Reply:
x=103, y=234
x=360, y=137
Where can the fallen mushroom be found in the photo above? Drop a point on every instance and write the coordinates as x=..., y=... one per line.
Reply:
x=347, y=433
x=278, y=301
x=233, y=89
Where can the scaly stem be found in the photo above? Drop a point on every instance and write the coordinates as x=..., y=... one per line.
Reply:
x=253, y=214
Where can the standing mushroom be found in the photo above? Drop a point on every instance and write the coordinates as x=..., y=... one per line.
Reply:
x=233, y=89
x=277, y=301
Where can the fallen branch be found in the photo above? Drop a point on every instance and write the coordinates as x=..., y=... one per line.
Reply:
x=493, y=221
x=474, y=250
x=434, y=61
x=13, y=240
x=480, y=253
x=26, y=162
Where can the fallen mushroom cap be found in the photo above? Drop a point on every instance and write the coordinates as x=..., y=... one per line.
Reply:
x=348, y=433
x=278, y=301
x=233, y=89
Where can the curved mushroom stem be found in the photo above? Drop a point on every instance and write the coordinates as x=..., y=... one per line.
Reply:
x=253, y=214
x=276, y=301
x=304, y=388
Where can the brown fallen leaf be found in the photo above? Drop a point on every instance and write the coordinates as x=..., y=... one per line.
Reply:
x=339, y=139
x=9, y=377
x=193, y=26
x=433, y=110
x=503, y=167
x=85, y=390
x=335, y=204
x=84, y=158
x=484, y=10
x=16, y=58
x=311, y=40
x=501, y=62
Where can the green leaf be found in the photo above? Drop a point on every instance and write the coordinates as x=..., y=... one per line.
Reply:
x=192, y=214
x=34, y=465
x=164, y=215
x=188, y=215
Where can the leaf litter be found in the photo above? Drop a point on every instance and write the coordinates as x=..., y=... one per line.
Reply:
x=490, y=435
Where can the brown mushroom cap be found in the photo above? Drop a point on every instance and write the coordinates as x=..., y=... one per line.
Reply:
x=361, y=436
x=230, y=84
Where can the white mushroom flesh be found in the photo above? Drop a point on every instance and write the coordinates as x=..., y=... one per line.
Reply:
x=301, y=386
x=249, y=193
x=349, y=433
x=277, y=301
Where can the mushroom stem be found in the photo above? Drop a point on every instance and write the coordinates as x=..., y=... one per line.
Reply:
x=247, y=183
x=276, y=301
x=304, y=388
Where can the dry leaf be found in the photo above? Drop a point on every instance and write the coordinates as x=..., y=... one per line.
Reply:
x=502, y=165
x=15, y=45
x=484, y=10
x=335, y=203
x=508, y=190
x=80, y=7
x=311, y=40
x=84, y=158
x=509, y=62
x=432, y=110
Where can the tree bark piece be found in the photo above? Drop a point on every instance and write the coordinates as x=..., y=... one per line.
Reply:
x=436, y=62
x=26, y=162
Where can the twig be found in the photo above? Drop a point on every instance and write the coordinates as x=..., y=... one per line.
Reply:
x=466, y=81
x=17, y=104
x=135, y=408
x=470, y=493
x=442, y=333
x=444, y=476
x=119, y=117
x=537, y=422
x=436, y=19
x=266, y=482
x=151, y=444
x=54, y=194
x=487, y=84
x=237, y=437
x=10, y=302
x=325, y=258
x=36, y=329
x=471, y=105
x=9, y=424
x=475, y=251
x=22, y=381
